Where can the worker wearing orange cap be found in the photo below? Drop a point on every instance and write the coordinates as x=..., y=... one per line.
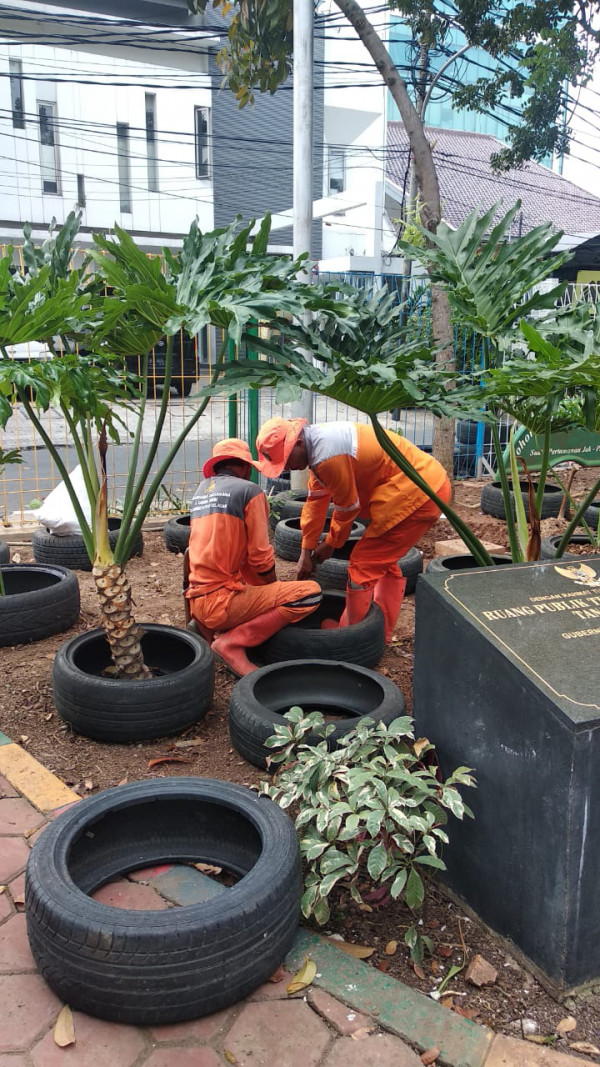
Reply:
x=349, y=466
x=232, y=582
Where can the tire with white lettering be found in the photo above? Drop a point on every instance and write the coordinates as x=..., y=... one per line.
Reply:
x=287, y=540
x=176, y=533
x=492, y=502
x=362, y=643
x=333, y=572
x=550, y=544
x=344, y=692
x=179, y=963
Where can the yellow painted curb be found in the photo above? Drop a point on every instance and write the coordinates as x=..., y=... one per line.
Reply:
x=45, y=791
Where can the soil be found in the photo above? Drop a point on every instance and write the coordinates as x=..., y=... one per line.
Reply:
x=514, y=1003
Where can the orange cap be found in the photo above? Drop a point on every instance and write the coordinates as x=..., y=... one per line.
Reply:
x=230, y=448
x=275, y=441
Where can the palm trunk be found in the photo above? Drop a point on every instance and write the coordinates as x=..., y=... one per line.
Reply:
x=122, y=631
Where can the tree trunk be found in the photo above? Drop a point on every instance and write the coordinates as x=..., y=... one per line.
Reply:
x=122, y=631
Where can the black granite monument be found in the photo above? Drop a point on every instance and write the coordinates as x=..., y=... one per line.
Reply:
x=507, y=681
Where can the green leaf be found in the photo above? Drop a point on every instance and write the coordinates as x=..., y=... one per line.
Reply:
x=377, y=861
x=398, y=883
x=415, y=891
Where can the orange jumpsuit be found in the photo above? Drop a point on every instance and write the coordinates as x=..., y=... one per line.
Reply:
x=349, y=466
x=230, y=557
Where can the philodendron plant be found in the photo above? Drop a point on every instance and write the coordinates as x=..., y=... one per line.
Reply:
x=121, y=303
x=371, y=361
x=373, y=812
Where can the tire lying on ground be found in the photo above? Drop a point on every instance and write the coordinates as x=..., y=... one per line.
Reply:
x=4, y=553
x=333, y=572
x=178, y=694
x=362, y=643
x=344, y=690
x=181, y=963
x=493, y=504
x=446, y=564
x=70, y=551
x=550, y=544
x=592, y=514
x=40, y=600
x=287, y=540
x=176, y=533
x=288, y=504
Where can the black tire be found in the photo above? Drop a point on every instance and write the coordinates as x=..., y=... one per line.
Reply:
x=4, y=553
x=287, y=539
x=550, y=544
x=362, y=643
x=185, y=388
x=466, y=432
x=288, y=505
x=181, y=963
x=333, y=572
x=70, y=551
x=176, y=533
x=592, y=514
x=275, y=486
x=260, y=699
x=447, y=564
x=113, y=709
x=493, y=504
x=41, y=600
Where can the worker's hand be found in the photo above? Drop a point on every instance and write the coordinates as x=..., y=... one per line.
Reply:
x=322, y=552
x=304, y=568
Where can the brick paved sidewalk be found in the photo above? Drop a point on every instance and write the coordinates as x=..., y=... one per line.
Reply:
x=352, y=1016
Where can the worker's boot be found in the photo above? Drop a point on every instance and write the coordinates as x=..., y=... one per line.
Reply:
x=358, y=602
x=389, y=594
x=231, y=646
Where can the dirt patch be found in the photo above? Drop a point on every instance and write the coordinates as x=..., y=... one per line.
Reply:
x=514, y=1004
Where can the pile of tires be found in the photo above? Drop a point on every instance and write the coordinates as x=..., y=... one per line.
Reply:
x=288, y=505
x=287, y=539
x=333, y=572
x=71, y=551
x=492, y=502
x=176, y=533
x=344, y=692
x=180, y=963
x=362, y=643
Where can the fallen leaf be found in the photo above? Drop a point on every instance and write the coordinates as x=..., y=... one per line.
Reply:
x=435, y=967
x=383, y=965
x=304, y=976
x=362, y=1032
x=190, y=744
x=391, y=947
x=585, y=1047
x=430, y=1056
x=2, y=889
x=278, y=975
x=364, y=907
x=48, y=716
x=167, y=759
x=419, y=745
x=466, y=1013
x=19, y=900
x=23, y=738
x=537, y=1039
x=123, y=781
x=444, y=950
x=362, y=952
x=229, y=1056
x=447, y=1002
x=89, y=785
x=64, y=1031
x=207, y=868
x=566, y=1025
x=420, y=973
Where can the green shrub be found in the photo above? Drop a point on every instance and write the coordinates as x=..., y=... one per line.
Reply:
x=371, y=812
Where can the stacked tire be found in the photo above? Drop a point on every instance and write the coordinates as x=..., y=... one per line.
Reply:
x=71, y=551
x=492, y=501
x=333, y=572
x=176, y=533
x=287, y=540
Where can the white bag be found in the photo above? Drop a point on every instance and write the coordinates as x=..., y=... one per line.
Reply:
x=57, y=513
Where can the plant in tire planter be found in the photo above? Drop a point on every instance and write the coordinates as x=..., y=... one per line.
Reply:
x=372, y=811
x=122, y=309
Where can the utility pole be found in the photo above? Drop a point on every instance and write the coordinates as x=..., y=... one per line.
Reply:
x=303, y=167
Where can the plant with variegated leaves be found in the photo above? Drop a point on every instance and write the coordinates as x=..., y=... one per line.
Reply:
x=371, y=811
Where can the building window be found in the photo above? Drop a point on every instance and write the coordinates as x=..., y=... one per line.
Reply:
x=15, y=68
x=202, y=135
x=48, y=148
x=80, y=190
x=151, y=146
x=124, y=165
x=336, y=170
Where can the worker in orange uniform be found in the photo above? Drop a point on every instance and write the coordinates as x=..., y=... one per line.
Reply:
x=348, y=465
x=232, y=582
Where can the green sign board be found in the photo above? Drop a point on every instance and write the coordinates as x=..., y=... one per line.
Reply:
x=576, y=446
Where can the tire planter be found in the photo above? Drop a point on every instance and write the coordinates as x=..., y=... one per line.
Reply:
x=550, y=544
x=114, y=709
x=493, y=504
x=70, y=551
x=362, y=643
x=447, y=564
x=287, y=540
x=277, y=485
x=260, y=700
x=168, y=966
x=333, y=572
x=176, y=533
x=40, y=600
x=592, y=514
x=4, y=553
x=288, y=505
